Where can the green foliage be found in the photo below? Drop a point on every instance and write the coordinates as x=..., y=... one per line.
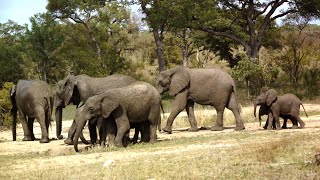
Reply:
x=11, y=46
x=255, y=76
x=44, y=41
x=5, y=105
x=311, y=77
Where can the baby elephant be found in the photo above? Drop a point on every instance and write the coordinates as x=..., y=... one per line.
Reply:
x=136, y=103
x=265, y=110
x=279, y=106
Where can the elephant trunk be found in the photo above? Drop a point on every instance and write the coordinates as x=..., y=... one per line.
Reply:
x=14, y=124
x=59, y=122
x=80, y=125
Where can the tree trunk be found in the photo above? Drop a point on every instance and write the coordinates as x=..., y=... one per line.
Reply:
x=158, y=41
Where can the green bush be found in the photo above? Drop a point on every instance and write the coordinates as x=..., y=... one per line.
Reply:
x=5, y=104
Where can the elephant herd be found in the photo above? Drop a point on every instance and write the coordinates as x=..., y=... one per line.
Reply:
x=112, y=105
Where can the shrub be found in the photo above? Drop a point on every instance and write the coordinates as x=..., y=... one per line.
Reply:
x=5, y=104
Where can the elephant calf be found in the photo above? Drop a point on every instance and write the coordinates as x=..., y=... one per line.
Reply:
x=265, y=110
x=136, y=103
x=33, y=100
x=285, y=105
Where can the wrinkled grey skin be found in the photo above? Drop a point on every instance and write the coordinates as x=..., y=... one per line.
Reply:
x=32, y=100
x=77, y=89
x=205, y=86
x=265, y=110
x=287, y=104
x=136, y=103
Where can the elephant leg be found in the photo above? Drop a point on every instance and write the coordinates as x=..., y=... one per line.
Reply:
x=111, y=130
x=102, y=131
x=270, y=121
x=180, y=102
x=266, y=124
x=26, y=130
x=234, y=107
x=30, y=126
x=219, y=123
x=276, y=119
x=71, y=133
x=41, y=118
x=93, y=132
x=123, y=126
x=153, y=133
x=191, y=117
x=302, y=124
x=284, y=126
x=145, y=132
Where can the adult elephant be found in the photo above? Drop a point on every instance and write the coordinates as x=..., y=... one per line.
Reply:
x=32, y=99
x=76, y=89
x=287, y=104
x=265, y=110
x=137, y=103
x=205, y=86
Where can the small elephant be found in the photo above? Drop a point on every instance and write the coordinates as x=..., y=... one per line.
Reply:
x=205, y=86
x=136, y=103
x=32, y=99
x=287, y=104
x=77, y=89
x=265, y=110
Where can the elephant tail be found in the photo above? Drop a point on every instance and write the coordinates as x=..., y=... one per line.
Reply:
x=163, y=115
x=304, y=110
x=49, y=102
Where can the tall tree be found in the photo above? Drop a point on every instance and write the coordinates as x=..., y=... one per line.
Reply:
x=157, y=20
x=45, y=41
x=243, y=21
x=82, y=12
x=11, y=48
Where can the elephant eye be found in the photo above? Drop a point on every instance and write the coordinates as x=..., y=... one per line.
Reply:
x=91, y=108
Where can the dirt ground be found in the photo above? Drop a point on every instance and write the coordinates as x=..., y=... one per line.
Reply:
x=57, y=149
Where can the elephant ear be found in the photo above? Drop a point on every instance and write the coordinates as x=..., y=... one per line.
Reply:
x=108, y=104
x=179, y=80
x=68, y=89
x=271, y=96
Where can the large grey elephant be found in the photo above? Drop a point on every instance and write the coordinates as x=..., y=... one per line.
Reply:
x=287, y=104
x=32, y=99
x=77, y=89
x=205, y=86
x=136, y=103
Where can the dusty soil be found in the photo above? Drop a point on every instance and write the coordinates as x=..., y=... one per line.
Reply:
x=57, y=149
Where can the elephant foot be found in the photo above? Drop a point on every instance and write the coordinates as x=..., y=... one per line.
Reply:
x=44, y=140
x=269, y=128
x=167, y=129
x=285, y=127
x=302, y=125
x=239, y=128
x=59, y=136
x=278, y=128
x=193, y=129
x=265, y=127
x=28, y=138
x=295, y=127
x=68, y=141
x=217, y=128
